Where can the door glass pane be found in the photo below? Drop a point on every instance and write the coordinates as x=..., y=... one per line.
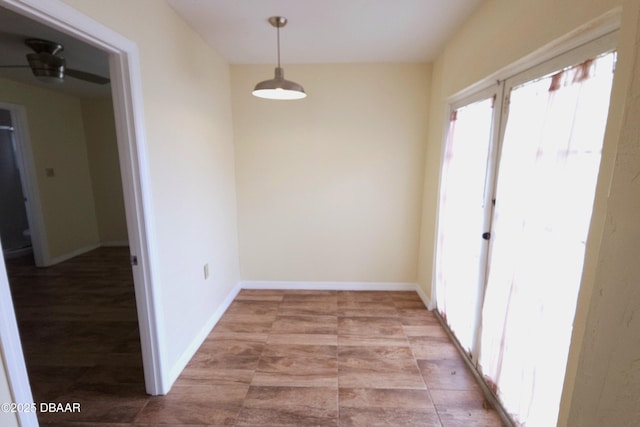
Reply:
x=546, y=182
x=460, y=219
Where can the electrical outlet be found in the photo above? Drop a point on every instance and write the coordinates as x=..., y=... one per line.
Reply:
x=206, y=271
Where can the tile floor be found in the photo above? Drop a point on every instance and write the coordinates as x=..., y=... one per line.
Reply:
x=276, y=358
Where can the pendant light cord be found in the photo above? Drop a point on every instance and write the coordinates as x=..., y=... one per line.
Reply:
x=278, y=32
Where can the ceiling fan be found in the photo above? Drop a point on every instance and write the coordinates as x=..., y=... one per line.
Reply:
x=48, y=64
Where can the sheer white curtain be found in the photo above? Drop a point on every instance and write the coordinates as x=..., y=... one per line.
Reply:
x=459, y=269
x=548, y=169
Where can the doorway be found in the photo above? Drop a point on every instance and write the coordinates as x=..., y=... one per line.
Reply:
x=77, y=317
x=123, y=66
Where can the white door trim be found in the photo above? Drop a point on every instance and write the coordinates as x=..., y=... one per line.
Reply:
x=26, y=166
x=128, y=109
x=12, y=355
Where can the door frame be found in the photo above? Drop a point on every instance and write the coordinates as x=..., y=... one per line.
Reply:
x=26, y=168
x=126, y=90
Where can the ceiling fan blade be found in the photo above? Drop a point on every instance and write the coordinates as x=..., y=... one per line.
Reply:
x=83, y=75
x=14, y=66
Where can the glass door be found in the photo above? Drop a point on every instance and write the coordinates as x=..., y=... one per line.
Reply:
x=516, y=195
x=464, y=200
x=549, y=165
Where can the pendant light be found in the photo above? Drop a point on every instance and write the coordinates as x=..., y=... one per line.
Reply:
x=278, y=87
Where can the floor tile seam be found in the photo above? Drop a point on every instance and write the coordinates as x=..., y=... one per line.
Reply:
x=309, y=359
x=255, y=370
x=241, y=406
x=394, y=364
x=415, y=357
x=147, y=400
x=435, y=408
x=386, y=387
x=337, y=398
x=424, y=381
x=304, y=355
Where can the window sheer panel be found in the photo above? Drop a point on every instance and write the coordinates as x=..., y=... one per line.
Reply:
x=459, y=264
x=545, y=190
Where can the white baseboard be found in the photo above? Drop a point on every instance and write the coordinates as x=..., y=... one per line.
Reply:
x=80, y=251
x=329, y=286
x=206, y=329
x=15, y=253
x=114, y=243
x=425, y=299
x=339, y=286
x=69, y=255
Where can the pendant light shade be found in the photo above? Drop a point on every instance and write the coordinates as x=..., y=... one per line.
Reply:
x=279, y=87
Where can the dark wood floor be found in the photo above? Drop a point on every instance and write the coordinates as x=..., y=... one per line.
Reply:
x=79, y=331
x=276, y=358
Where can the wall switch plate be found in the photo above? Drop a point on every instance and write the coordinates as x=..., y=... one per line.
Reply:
x=206, y=271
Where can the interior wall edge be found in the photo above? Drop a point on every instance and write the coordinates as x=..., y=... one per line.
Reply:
x=428, y=302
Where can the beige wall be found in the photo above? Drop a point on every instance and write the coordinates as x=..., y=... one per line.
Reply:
x=102, y=149
x=329, y=187
x=603, y=376
x=189, y=148
x=7, y=419
x=57, y=141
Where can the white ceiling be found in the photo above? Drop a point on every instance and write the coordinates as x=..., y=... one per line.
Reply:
x=326, y=31
x=319, y=31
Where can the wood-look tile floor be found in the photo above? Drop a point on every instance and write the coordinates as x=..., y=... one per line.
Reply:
x=276, y=358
